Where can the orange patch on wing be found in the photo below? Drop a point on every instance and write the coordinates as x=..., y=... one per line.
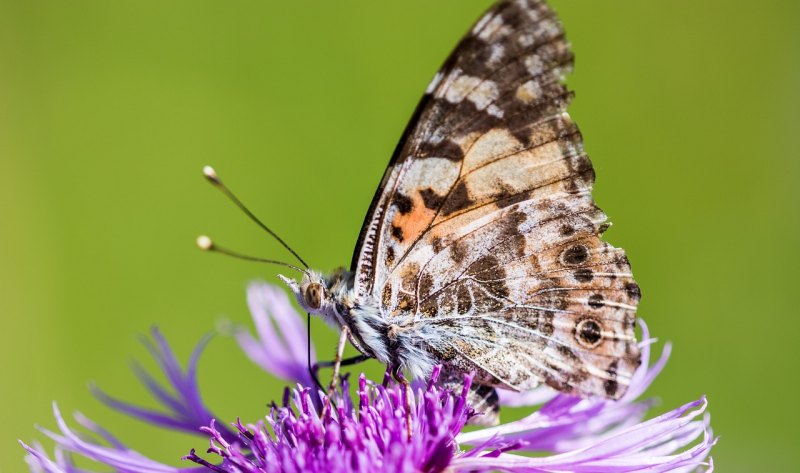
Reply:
x=414, y=222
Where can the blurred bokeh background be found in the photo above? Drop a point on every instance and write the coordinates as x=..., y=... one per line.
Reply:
x=108, y=111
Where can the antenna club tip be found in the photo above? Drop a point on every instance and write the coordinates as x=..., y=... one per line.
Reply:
x=211, y=174
x=204, y=243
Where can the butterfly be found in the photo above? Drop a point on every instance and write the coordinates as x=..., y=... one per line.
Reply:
x=481, y=251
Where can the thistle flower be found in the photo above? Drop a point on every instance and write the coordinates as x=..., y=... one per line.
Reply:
x=338, y=435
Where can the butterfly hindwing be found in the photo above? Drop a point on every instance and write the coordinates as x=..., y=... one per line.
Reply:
x=484, y=228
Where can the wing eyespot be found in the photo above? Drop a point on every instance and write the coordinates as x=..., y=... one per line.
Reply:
x=575, y=255
x=588, y=333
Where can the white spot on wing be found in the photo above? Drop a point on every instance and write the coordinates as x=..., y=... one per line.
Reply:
x=493, y=27
x=494, y=110
x=490, y=146
x=532, y=13
x=436, y=173
x=481, y=23
x=480, y=92
x=534, y=65
x=529, y=91
x=526, y=40
x=496, y=53
x=434, y=83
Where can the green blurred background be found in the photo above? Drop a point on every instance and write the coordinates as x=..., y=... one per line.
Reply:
x=109, y=109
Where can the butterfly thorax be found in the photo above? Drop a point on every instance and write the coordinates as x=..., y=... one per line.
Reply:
x=396, y=339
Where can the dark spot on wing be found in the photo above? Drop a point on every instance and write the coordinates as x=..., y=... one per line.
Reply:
x=458, y=251
x=507, y=198
x=578, y=164
x=425, y=285
x=553, y=299
x=566, y=230
x=518, y=243
x=431, y=199
x=533, y=262
x=633, y=290
x=512, y=221
x=445, y=149
x=457, y=200
x=397, y=232
x=390, y=256
x=386, y=296
x=568, y=354
x=581, y=182
x=596, y=301
x=611, y=386
x=622, y=261
x=545, y=323
x=490, y=274
x=575, y=255
x=583, y=275
x=464, y=302
x=436, y=243
x=403, y=203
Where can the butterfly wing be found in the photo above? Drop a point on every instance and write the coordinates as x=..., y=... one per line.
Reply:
x=484, y=226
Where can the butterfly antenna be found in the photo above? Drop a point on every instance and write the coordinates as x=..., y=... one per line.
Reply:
x=205, y=244
x=214, y=179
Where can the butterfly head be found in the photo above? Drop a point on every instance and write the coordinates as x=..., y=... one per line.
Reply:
x=320, y=295
x=311, y=292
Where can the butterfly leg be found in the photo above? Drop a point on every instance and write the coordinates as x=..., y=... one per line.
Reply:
x=314, y=369
x=353, y=360
x=337, y=362
x=397, y=374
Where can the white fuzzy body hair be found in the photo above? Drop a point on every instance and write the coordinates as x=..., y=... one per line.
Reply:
x=395, y=340
x=401, y=340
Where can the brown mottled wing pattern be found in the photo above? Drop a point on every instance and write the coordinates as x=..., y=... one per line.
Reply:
x=484, y=228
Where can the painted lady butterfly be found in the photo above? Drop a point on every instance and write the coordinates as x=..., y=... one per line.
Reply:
x=481, y=250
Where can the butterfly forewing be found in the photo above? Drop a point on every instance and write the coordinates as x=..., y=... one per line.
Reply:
x=484, y=228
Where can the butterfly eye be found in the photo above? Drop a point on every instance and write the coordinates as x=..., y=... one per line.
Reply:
x=313, y=295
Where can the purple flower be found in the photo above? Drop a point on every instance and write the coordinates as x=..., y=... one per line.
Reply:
x=337, y=435
x=282, y=346
x=367, y=437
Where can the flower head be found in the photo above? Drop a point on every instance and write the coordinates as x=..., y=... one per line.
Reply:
x=367, y=436
x=339, y=435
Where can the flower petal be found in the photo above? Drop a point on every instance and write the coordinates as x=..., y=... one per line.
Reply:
x=648, y=446
x=184, y=410
x=281, y=348
x=116, y=456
